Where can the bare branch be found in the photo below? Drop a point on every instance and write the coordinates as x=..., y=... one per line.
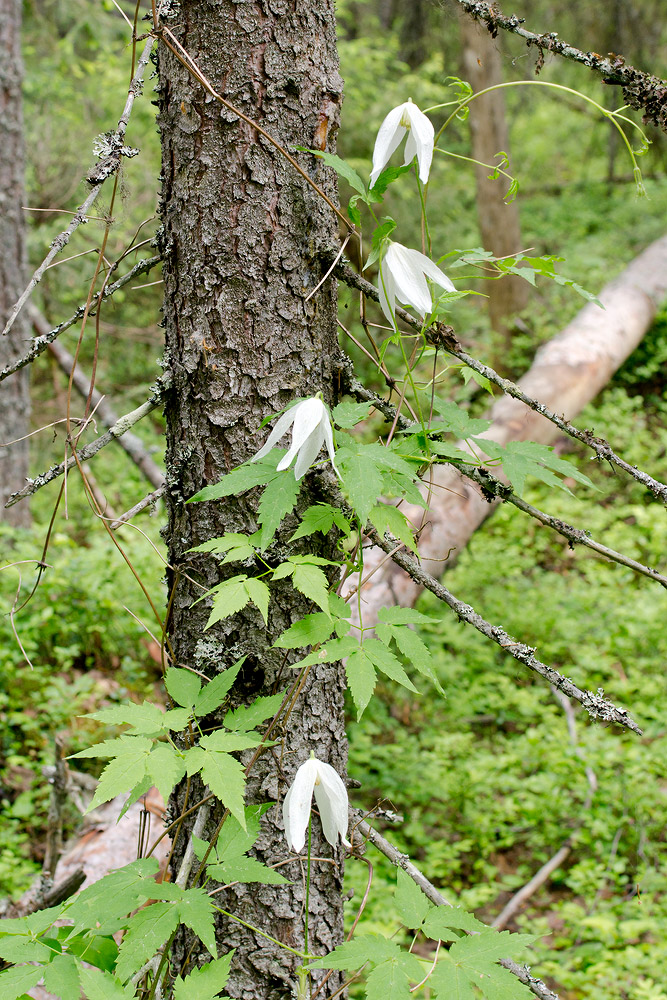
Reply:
x=522, y=973
x=122, y=425
x=597, y=706
x=97, y=176
x=444, y=337
x=138, y=507
x=40, y=344
x=642, y=91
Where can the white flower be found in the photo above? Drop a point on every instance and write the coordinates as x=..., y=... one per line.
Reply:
x=331, y=799
x=403, y=274
x=312, y=429
x=406, y=118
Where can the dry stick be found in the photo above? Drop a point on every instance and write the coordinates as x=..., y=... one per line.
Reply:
x=97, y=176
x=122, y=425
x=597, y=706
x=641, y=90
x=133, y=445
x=541, y=876
x=444, y=337
x=522, y=973
x=40, y=344
x=138, y=507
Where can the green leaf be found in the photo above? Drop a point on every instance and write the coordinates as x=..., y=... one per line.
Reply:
x=394, y=624
x=308, y=631
x=114, y=895
x=258, y=592
x=19, y=948
x=334, y=649
x=146, y=719
x=478, y=950
x=226, y=779
x=14, y=982
x=214, y=693
x=245, y=869
x=122, y=773
x=388, y=175
x=61, y=977
x=384, y=660
x=204, y=983
x=182, y=685
x=229, y=597
x=34, y=923
x=355, y=953
x=165, y=767
x=342, y=168
x=362, y=480
x=348, y=414
x=454, y=419
x=147, y=931
x=386, y=517
x=229, y=742
x=239, y=480
x=112, y=748
x=247, y=717
x=411, y=903
x=321, y=517
x=96, y=949
x=392, y=979
x=450, y=982
x=310, y=581
x=278, y=499
x=361, y=677
x=99, y=985
x=482, y=381
x=442, y=919
x=521, y=459
x=196, y=911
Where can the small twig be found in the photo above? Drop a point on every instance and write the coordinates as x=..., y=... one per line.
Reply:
x=138, y=507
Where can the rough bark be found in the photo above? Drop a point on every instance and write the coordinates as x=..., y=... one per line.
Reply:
x=241, y=231
x=14, y=397
x=568, y=372
x=498, y=222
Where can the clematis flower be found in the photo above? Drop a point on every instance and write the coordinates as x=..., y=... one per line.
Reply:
x=330, y=797
x=405, y=119
x=312, y=429
x=403, y=274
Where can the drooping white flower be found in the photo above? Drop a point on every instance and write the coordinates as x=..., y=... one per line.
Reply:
x=331, y=799
x=405, y=119
x=312, y=429
x=403, y=274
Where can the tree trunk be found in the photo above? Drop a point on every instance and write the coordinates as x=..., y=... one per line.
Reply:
x=14, y=396
x=241, y=232
x=568, y=372
x=498, y=222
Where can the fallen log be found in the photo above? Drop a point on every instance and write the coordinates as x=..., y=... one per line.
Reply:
x=567, y=373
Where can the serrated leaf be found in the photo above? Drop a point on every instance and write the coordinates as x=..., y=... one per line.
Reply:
x=248, y=717
x=361, y=678
x=165, y=767
x=196, y=911
x=115, y=894
x=17, y=948
x=229, y=742
x=142, y=788
x=182, y=685
x=34, y=923
x=308, y=631
x=386, y=517
x=310, y=581
x=404, y=616
x=391, y=980
x=499, y=984
x=258, y=592
x=362, y=480
x=278, y=499
x=332, y=650
x=384, y=660
x=408, y=641
x=321, y=517
x=245, y=869
x=147, y=931
x=454, y=419
x=521, y=459
x=442, y=919
x=478, y=950
x=204, y=983
x=61, y=977
x=348, y=414
x=96, y=949
x=99, y=985
x=411, y=903
x=224, y=775
x=146, y=719
x=342, y=168
x=214, y=693
x=355, y=953
x=14, y=982
x=229, y=597
x=111, y=748
x=238, y=481
x=450, y=982
x=122, y=773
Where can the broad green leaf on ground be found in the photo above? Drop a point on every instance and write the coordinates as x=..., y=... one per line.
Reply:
x=348, y=414
x=196, y=911
x=248, y=717
x=14, y=982
x=391, y=980
x=278, y=499
x=61, y=977
x=355, y=953
x=182, y=685
x=147, y=931
x=385, y=517
x=526, y=458
x=321, y=517
x=411, y=903
x=241, y=479
x=165, y=767
x=99, y=985
x=204, y=983
x=213, y=694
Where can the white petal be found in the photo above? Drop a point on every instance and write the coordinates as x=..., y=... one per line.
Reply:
x=328, y=440
x=331, y=799
x=387, y=290
x=307, y=417
x=308, y=452
x=433, y=272
x=388, y=139
x=422, y=136
x=408, y=275
x=297, y=805
x=274, y=437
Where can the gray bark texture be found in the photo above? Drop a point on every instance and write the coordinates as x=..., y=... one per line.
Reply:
x=14, y=396
x=241, y=234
